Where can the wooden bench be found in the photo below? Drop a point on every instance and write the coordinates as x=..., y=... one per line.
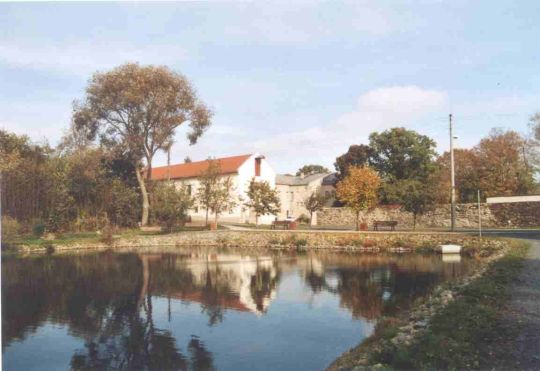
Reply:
x=285, y=224
x=384, y=223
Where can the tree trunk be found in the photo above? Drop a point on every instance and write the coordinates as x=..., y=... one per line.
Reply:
x=145, y=201
x=256, y=219
x=414, y=221
x=145, y=279
x=358, y=221
x=206, y=221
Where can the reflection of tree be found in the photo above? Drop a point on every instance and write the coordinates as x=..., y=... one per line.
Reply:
x=104, y=298
x=262, y=284
x=201, y=359
x=362, y=284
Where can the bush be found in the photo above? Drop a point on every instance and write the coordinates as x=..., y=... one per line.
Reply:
x=303, y=219
x=171, y=206
x=107, y=235
x=300, y=243
x=125, y=204
x=10, y=228
x=38, y=229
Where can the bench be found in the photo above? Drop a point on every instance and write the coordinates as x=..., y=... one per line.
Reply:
x=384, y=223
x=285, y=224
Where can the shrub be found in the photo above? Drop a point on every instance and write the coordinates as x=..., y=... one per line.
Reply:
x=300, y=243
x=107, y=235
x=303, y=219
x=357, y=242
x=10, y=228
x=369, y=243
x=171, y=206
x=49, y=248
x=38, y=229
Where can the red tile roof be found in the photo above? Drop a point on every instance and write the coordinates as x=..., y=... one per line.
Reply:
x=228, y=165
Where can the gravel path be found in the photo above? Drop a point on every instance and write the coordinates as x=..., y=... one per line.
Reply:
x=525, y=309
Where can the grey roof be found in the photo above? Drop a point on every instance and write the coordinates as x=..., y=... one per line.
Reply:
x=292, y=180
x=330, y=179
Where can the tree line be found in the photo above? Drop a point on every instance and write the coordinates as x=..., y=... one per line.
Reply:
x=100, y=174
x=401, y=166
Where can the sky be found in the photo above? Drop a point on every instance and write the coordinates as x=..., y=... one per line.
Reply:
x=298, y=82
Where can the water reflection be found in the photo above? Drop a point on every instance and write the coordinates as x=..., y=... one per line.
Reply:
x=106, y=300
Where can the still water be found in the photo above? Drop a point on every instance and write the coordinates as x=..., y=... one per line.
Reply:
x=203, y=309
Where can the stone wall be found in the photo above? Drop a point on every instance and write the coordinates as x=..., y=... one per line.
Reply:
x=493, y=215
x=300, y=240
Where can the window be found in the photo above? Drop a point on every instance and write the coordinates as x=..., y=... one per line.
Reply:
x=189, y=189
x=258, y=166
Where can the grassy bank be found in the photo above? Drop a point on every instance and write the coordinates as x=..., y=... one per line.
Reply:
x=468, y=333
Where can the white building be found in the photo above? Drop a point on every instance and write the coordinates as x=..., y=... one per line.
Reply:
x=241, y=169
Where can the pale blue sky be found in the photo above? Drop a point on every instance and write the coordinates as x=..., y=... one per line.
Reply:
x=298, y=82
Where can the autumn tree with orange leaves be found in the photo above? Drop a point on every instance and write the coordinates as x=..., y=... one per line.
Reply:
x=359, y=190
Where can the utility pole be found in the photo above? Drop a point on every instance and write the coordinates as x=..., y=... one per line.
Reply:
x=452, y=177
x=479, y=217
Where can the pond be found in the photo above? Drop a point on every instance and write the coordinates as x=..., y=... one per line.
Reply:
x=203, y=309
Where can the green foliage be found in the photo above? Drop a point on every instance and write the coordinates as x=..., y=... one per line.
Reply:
x=357, y=155
x=10, y=228
x=303, y=219
x=414, y=196
x=307, y=170
x=171, y=205
x=38, y=229
x=262, y=198
x=208, y=186
x=124, y=204
x=399, y=154
x=300, y=243
x=139, y=108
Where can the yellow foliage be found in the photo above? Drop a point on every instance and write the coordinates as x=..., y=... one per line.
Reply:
x=359, y=190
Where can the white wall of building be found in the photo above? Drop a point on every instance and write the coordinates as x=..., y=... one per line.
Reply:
x=241, y=179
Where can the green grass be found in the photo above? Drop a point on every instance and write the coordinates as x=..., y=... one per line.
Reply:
x=87, y=237
x=467, y=333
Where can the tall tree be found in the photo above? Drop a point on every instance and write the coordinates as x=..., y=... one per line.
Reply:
x=533, y=143
x=357, y=155
x=208, y=186
x=399, y=153
x=315, y=202
x=359, y=190
x=502, y=164
x=307, y=170
x=262, y=199
x=467, y=176
x=139, y=108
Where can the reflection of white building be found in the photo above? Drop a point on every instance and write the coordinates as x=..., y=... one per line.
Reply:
x=241, y=169
x=238, y=273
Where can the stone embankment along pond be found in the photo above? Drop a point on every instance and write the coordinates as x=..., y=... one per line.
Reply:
x=334, y=240
x=453, y=328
